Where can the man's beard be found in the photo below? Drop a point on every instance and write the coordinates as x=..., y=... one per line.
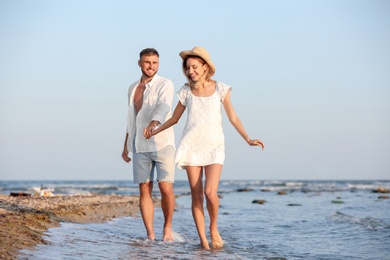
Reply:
x=147, y=76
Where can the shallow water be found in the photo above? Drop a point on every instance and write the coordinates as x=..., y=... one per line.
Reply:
x=315, y=220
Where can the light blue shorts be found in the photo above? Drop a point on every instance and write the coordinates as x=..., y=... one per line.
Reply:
x=145, y=163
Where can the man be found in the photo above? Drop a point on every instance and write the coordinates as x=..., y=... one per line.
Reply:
x=150, y=101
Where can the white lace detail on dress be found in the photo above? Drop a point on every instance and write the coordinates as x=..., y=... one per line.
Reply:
x=203, y=141
x=183, y=94
x=222, y=90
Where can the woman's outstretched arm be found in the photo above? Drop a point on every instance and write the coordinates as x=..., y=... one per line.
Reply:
x=236, y=122
x=150, y=130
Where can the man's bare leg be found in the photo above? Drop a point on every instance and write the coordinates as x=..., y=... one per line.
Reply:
x=168, y=207
x=147, y=207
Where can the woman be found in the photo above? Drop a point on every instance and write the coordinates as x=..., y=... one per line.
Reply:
x=202, y=146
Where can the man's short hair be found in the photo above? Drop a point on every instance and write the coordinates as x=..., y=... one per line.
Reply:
x=148, y=52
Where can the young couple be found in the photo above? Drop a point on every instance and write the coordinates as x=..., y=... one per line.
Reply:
x=201, y=151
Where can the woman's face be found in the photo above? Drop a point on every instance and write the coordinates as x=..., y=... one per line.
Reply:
x=195, y=68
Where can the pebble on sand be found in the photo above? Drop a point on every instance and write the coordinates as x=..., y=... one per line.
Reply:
x=259, y=201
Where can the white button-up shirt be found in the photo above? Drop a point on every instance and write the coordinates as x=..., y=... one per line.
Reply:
x=156, y=106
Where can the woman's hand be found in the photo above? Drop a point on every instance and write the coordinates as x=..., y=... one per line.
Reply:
x=148, y=131
x=256, y=142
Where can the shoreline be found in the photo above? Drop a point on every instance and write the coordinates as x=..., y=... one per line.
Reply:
x=25, y=219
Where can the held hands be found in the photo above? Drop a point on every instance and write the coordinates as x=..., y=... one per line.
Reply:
x=256, y=142
x=148, y=131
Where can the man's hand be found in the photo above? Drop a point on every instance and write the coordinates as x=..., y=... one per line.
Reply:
x=148, y=131
x=125, y=155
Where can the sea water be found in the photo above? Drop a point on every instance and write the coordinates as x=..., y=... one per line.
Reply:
x=313, y=220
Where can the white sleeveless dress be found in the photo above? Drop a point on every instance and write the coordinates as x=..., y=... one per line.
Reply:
x=203, y=141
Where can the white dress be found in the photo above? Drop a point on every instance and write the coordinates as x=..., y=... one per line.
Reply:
x=203, y=141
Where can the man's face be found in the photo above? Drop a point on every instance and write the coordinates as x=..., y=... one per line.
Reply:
x=149, y=65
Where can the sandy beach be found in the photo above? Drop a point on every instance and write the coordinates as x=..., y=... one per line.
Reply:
x=24, y=219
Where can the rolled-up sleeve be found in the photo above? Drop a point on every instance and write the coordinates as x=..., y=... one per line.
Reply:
x=165, y=97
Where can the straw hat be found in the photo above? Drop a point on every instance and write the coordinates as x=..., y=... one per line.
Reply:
x=202, y=53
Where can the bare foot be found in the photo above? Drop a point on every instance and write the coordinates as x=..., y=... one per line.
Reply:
x=150, y=235
x=217, y=244
x=205, y=244
x=167, y=234
x=216, y=240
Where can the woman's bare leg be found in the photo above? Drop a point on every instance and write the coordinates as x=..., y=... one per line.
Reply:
x=195, y=176
x=213, y=175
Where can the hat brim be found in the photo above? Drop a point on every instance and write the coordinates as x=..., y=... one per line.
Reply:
x=201, y=53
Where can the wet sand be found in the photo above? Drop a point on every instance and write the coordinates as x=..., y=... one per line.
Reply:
x=24, y=220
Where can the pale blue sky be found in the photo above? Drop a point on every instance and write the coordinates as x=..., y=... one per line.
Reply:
x=310, y=78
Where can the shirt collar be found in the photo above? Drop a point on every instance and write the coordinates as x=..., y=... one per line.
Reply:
x=150, y=83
